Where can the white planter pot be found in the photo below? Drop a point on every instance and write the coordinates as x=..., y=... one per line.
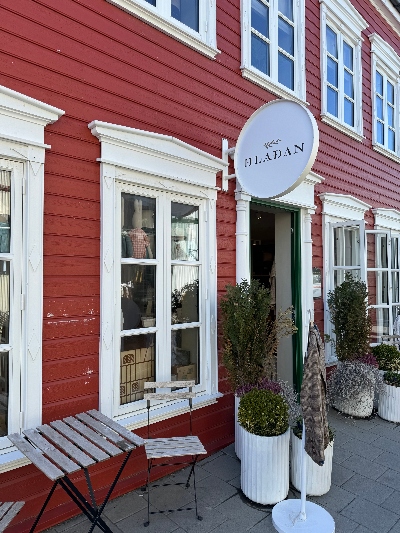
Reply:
x=389, y=403
x=318, y=477
x=360, y=405
x=238, y=430
x=265, y=467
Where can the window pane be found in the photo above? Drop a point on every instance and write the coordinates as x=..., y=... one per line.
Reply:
x=390, y=93
x=5, y=211
x=184, y=232
x=285, y=71
x=379, y=107
x=348, y=84
x=185, y=354
x=138, y=296
x=286, y=8
x=4, y=301
x=395, y=252
x=331, y=42
x=346, y=246
x=380, y=323
x=395, y=287
x=285, y=36
x=382, y=251
x=348, y=56
x=332, y=101
x=185, y=294
x=348, y=112
x=138, y=237
x=382, y=288
x=260, y=54
x=187, y=12
x=380, y=138
x=152, y=2
x=390, y=116
x=339, y=276
x=391, y=140
x=4, y=384
x=379, y=83
x=332, y=72
x=136, y=366
x=259, y=18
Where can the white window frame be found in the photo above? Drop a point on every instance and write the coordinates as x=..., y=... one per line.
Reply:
x=387, y=62
x=348, y=24
x=159, y=16
x=271, y=82
x=22, y=152
x=338, y=210
x=149, y=161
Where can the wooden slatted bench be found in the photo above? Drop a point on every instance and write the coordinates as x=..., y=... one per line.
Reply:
x=8, y=510
x=74, y=444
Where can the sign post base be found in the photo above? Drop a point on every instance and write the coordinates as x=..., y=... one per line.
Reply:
x=286, y=519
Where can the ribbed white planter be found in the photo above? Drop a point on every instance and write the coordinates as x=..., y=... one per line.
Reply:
x=318, y=477
x=389, y=403
x=360, y=405
x=265, y=467
x=238, y=430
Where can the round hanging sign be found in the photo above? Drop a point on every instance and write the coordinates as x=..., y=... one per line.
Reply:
x=276, y=149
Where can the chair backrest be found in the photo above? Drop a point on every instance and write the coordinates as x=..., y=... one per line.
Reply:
x=171, y=395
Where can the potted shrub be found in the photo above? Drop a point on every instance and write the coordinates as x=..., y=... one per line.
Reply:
x=264, y=418
x=388, y=357
x=352, y=386
x=318, y=477
x=389, y=400
x=250, y=337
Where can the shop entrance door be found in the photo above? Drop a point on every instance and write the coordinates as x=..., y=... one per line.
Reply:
x=275, y=263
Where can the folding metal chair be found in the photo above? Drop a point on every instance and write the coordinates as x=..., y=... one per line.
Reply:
x=163, y=448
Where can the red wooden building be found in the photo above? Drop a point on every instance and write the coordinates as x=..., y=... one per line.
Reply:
x=116, y=119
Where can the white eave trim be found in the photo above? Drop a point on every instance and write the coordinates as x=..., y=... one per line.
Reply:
x=385, y=53
x=343, y=206
x=344, y=11
x=177, y=30
x=387, y=218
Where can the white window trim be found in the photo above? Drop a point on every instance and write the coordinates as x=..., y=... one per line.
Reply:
x=266, y=82
x=204, y=41
x=384, y=58
x=22, y=123
x=336, y=208
x=157, y=162
x=344, y=19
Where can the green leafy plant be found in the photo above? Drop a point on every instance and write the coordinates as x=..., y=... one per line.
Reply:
x=297, y=429
x=388, y=357
x=263, y=413
x=250, y=336
x=348, y=306
x=392, y=378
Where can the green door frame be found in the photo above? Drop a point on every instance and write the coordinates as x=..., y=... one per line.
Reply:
x=297, y=340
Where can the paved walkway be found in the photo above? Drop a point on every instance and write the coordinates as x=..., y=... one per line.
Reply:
x=364, y=497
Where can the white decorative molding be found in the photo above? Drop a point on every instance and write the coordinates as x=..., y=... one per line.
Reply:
x=346, y=14
x=387, y=153
x=387, y=219
x=303, y=195
x=385, y=53
x=34, y=345
x=35, y=257
x=388, y=12
x=204, y=41
x=343, y=206
x=343, y=128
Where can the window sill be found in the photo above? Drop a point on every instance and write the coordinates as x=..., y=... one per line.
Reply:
x=177, y=30
x=158, y=413
x=350, y=132
x=11, y=458
x=387, y=153
x=258, y=78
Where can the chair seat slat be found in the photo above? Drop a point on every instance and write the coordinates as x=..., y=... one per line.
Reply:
x=36, y=457
x=51, y=452
x=168, y=384
x=169, y=395
x=73, y=451
x=128, y=435
x=87, y=446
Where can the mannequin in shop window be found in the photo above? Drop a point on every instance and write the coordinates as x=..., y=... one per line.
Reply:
x=139, y=239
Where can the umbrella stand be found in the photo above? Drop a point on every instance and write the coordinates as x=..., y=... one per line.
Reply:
x=308, y=517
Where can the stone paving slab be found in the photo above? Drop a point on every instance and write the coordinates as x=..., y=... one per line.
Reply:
x=364, y=496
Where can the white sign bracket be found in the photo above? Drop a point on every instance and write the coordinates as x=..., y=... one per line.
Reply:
x=226, y=153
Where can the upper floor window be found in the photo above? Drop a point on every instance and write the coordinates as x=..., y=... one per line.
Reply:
x=273, y=46
x=190, y=21
x=341, y=66
x=385, y=101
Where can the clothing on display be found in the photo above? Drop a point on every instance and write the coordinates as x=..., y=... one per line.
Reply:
x=140, y=244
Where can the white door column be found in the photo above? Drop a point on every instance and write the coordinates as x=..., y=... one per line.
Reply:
x=242, y=235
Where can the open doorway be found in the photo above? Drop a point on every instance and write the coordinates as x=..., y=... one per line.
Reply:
x=271, y=263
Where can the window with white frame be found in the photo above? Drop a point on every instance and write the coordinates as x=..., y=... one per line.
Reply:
x=341, y=27
x=22, y=152
x=273, y=45
x=158, y=260
x=385, y=98
x=191, y=21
